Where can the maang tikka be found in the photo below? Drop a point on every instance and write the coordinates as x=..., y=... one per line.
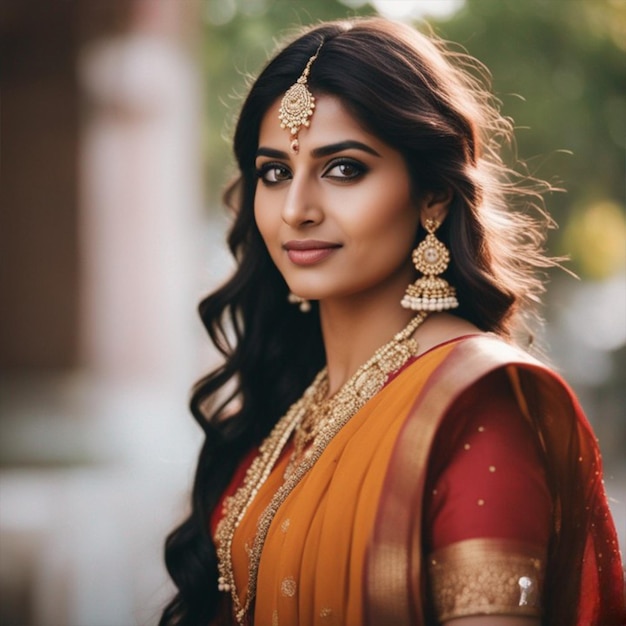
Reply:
x=430, y=292
x=296, y=107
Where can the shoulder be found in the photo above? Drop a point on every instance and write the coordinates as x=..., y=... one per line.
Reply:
x=476, y=370
x=475, y=352
x=442, y=328
x=470, y=344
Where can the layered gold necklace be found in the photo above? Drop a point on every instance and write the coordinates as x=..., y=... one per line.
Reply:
x=315, y=419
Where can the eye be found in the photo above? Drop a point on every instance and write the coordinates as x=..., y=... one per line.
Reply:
x=273, y=173
x=345, y=170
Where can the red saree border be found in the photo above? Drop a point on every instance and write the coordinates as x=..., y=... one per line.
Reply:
x=393, y=577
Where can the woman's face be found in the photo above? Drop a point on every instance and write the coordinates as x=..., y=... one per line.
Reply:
x=338, y=218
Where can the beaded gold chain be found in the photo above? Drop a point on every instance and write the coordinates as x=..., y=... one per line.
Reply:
x=330, y=417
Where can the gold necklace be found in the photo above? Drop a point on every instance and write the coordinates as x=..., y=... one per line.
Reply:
x=337, y=410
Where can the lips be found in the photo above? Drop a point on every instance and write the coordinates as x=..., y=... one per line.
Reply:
x=309, y=251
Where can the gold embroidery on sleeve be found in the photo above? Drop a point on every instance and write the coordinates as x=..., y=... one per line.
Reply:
x=486, y=577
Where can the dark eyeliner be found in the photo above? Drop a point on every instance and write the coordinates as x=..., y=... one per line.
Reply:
x=266, y=167
x=360, y=168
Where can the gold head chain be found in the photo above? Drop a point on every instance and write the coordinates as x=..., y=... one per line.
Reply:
x=297, y=105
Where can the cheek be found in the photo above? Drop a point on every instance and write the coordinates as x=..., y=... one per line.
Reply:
x=392, y=224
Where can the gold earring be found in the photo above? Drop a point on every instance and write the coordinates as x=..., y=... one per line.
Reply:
x=303, y=304
x=296, y=107
x=430, y=292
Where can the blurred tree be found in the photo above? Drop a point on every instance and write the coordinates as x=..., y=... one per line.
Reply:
x=559, y=69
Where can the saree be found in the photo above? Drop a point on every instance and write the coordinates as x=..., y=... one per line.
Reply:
x=362, y=540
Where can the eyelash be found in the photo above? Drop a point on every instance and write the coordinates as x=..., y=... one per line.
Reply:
x=268, y=167
x=359, y=168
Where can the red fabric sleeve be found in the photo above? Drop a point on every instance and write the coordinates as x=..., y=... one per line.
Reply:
x=488, y=479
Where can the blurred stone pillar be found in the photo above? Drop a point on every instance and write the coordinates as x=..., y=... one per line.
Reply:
x=139, y=196
x=140, y=219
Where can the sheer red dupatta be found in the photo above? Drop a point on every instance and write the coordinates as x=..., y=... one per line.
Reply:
x=584, y=539
x=584, y=572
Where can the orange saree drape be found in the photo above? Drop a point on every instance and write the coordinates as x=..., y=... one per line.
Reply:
x=369, y=536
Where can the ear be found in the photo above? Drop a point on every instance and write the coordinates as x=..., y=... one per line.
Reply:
x=435, y=206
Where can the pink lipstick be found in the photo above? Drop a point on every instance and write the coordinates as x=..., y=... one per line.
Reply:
x=309, y=251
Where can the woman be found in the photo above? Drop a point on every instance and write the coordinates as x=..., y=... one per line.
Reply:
x=380, y=452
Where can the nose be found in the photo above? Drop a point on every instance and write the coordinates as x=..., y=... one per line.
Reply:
x=301, y=207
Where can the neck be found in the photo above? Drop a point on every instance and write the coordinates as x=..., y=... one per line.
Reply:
x=353, y=329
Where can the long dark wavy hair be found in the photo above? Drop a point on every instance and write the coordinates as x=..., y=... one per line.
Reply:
x=432, y=106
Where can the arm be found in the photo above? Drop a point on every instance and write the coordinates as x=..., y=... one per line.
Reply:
x=489, y=517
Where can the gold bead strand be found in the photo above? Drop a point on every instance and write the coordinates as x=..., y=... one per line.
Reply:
x=236, y=506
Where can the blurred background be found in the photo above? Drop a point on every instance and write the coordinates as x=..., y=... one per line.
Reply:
x=115, y=119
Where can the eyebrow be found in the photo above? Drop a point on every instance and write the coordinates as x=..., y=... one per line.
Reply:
x=322, y=151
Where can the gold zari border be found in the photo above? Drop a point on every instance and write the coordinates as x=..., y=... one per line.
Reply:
x=486, y=577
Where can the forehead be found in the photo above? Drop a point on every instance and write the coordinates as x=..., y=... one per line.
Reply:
x=332, y=121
